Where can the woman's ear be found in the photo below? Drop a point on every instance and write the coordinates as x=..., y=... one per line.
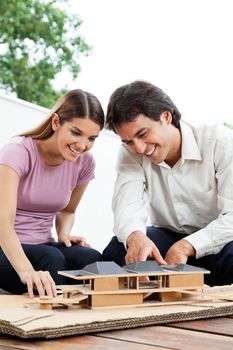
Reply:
x=55, y=121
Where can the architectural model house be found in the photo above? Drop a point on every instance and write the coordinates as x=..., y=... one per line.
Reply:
x=105, y=284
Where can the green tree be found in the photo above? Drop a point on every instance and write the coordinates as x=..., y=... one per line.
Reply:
x=229, y=125
x=38, y=40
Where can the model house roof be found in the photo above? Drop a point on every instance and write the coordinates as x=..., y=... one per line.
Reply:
x=183, y=267
x=144, y=266
x=109, y=268
x=100, y=268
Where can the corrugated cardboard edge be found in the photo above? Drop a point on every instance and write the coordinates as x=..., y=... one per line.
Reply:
x=93, y=327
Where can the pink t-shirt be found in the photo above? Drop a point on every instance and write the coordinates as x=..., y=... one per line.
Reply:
x=43, y=190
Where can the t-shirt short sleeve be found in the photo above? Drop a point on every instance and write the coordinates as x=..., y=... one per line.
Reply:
x=87, y=169
x=15, y=156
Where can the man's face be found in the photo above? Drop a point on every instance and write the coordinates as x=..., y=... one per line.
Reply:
x=156, y=140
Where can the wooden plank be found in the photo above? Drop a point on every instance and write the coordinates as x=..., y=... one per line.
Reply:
x=170, y=296
x=218, y=325
x=185, y=281
x=103, y=284
x=174, y=338
x=115, y=300
x=88, y=291
x=139, y=274
x=72, y=343
x=97, y=341
x=209, y=296
x=134, y=282
x=7, y=348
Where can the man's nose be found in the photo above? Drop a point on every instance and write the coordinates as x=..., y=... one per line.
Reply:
x=139, y=146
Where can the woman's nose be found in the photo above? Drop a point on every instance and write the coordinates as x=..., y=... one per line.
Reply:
x=81, y=144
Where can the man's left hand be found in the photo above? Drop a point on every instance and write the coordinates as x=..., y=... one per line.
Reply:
x=179, y=252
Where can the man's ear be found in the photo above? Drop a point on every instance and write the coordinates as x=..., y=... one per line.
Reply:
x=55, y=121
x=166, y=117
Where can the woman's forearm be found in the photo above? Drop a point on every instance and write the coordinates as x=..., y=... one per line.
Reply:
x=64, y=223
x=13, y=250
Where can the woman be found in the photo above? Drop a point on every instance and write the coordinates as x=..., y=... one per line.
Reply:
x=43, y=175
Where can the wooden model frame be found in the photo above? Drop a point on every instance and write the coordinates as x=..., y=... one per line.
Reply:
x=129, y=288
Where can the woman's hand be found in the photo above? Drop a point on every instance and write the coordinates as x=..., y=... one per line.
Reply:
x=40, y=280
x=69, y=240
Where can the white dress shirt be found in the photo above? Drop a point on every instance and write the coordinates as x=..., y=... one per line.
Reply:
x=194, y=197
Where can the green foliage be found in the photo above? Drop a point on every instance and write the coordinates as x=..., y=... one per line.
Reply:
x=229, y=125
x=38, y=40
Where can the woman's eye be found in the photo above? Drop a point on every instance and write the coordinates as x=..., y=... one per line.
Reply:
x=75, y=133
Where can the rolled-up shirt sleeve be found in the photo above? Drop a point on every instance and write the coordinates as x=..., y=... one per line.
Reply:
x=130, y=202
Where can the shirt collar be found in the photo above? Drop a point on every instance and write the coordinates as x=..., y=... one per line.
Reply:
x=189, y=147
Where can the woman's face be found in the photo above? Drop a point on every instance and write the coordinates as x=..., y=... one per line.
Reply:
x=74, y=137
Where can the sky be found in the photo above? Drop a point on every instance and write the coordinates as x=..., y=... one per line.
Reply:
x=182, y=46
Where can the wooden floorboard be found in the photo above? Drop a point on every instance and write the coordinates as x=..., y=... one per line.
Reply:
x=73, y=343
x=174, y=338
x=220, y=325
x=7, y=348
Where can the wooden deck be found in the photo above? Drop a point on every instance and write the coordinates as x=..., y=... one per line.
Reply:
x=214, y=334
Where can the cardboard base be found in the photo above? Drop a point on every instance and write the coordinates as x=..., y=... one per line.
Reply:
x=18, y=318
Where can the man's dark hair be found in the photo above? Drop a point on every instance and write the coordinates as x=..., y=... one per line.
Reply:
x=139, y=97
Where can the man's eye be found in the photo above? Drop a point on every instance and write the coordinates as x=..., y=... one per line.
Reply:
x=142, y=135
x=128, y=143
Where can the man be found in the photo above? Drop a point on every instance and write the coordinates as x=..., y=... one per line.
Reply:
x=175, y=177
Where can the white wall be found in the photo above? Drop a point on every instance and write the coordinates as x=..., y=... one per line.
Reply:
x=94, y=216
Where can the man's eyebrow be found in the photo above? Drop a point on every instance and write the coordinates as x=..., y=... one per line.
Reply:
x=125, y=141
x=138, y=133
